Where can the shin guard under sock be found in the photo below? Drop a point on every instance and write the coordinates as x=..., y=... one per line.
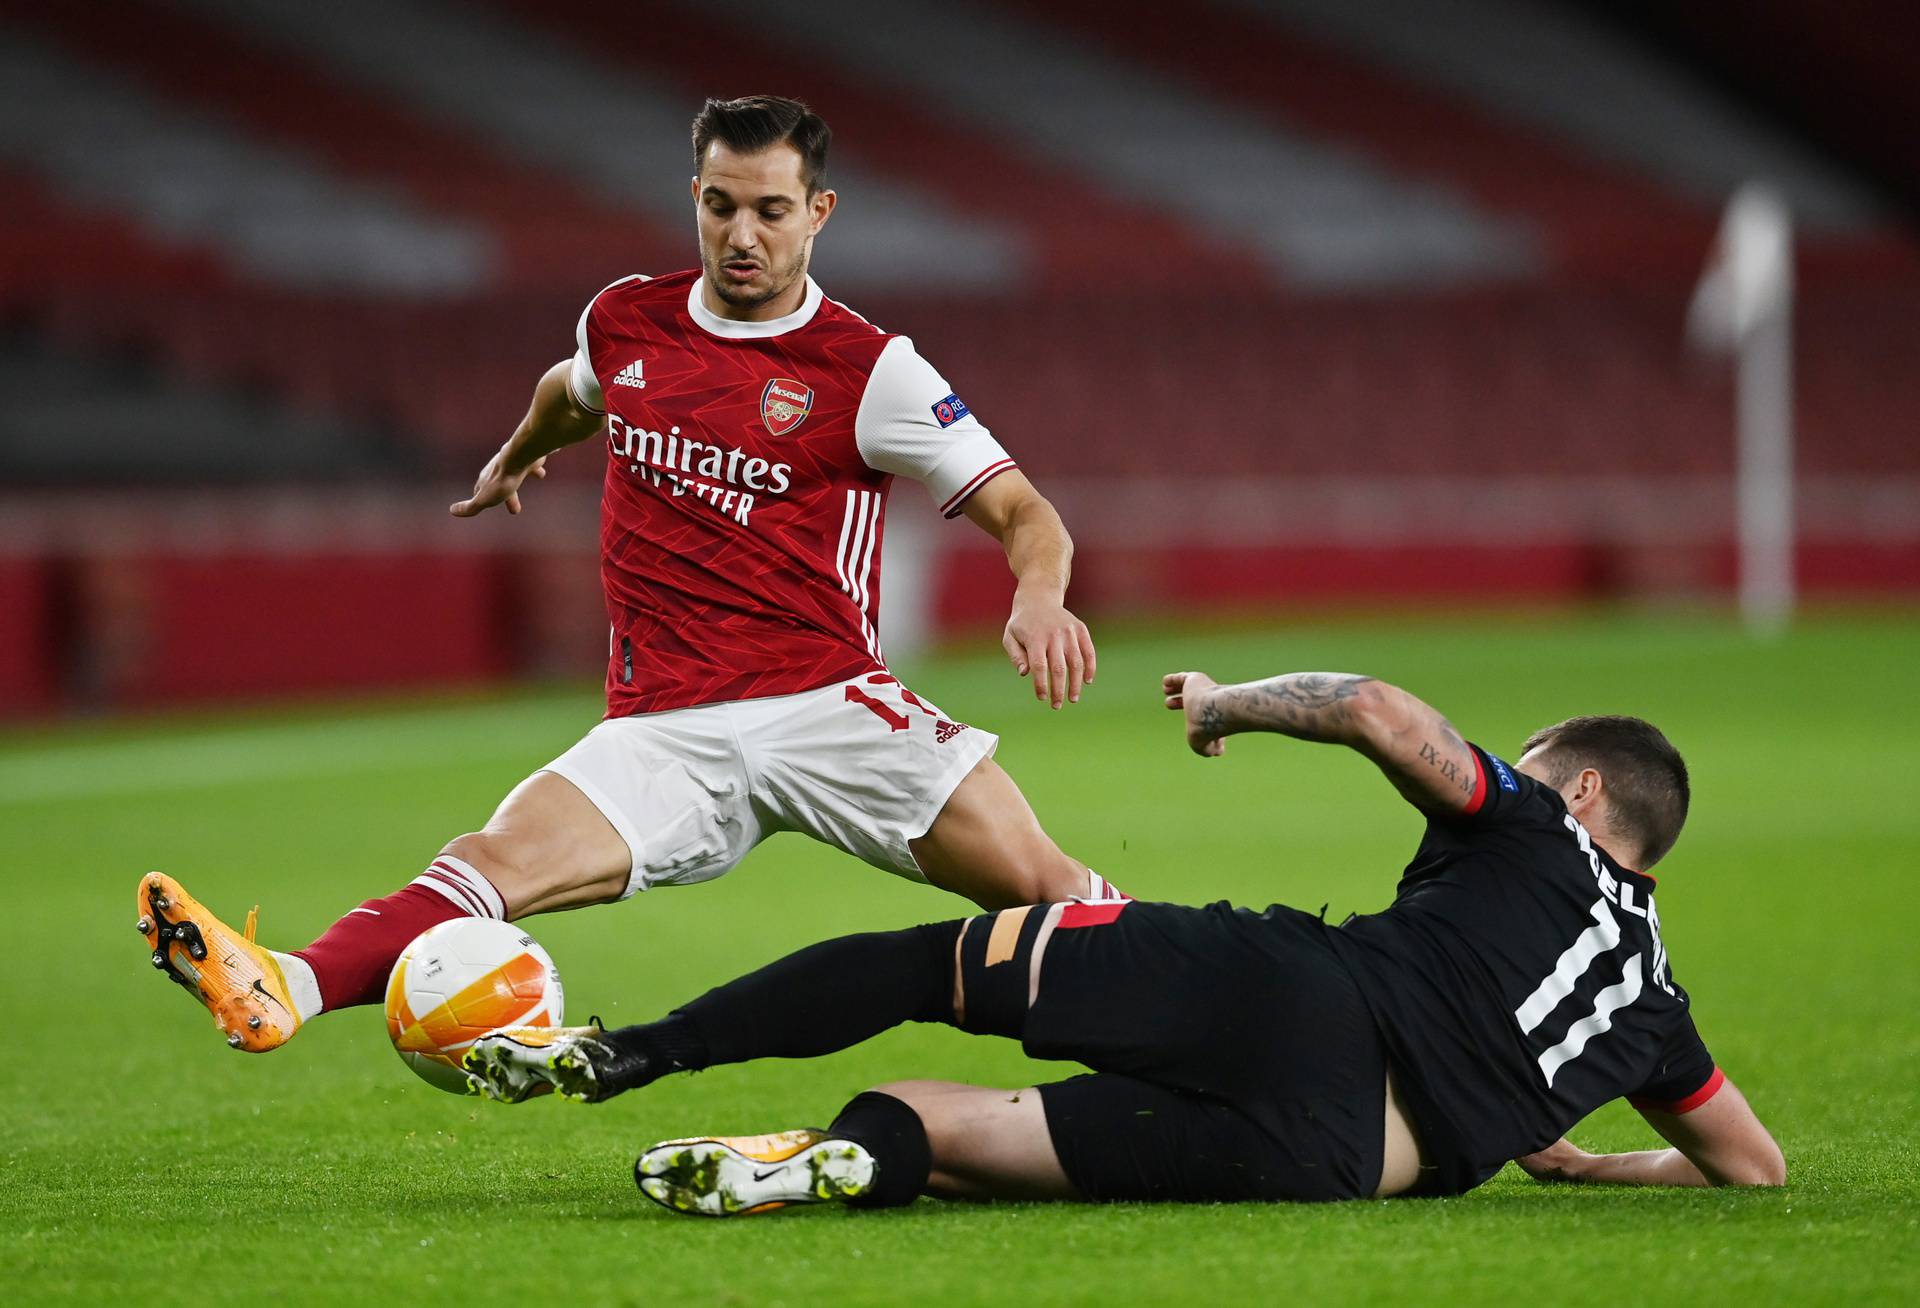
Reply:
x=896, y=1137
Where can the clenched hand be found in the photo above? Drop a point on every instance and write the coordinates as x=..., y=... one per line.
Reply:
x=1187, y=692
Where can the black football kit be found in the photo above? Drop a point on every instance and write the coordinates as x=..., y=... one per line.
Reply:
x=1517, y=982
x=1520, y=981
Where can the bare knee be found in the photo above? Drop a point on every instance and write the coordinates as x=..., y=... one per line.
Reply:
x=984, y=1143
x=498, y=858
x=915, y=1093
x=1005, y=876
x=1044, y=876
x=986, y=844
x=532, y=877
x=939, y=1105
x=925, y=1099
x=548, y=847
x=1060, y=877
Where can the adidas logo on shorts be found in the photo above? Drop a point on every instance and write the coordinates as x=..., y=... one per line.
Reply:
x=943, y=730
x=631, y=376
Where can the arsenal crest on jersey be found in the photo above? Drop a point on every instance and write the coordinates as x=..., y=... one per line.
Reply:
x=785, y=404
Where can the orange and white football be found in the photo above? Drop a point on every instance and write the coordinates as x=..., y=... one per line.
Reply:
x=460, y=980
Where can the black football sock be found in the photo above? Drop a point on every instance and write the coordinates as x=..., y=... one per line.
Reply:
x=896, y=1137
x=823, y=999
x=645, y=1053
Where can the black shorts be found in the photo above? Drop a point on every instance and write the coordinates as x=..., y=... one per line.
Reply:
x=1234, y=1058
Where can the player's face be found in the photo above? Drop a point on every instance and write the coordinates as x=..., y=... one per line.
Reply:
x=757, y=225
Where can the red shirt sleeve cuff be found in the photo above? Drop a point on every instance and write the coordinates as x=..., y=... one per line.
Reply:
x=1479, y=784
x=1691, y=1102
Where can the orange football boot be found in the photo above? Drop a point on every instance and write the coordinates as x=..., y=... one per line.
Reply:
x=239, y=982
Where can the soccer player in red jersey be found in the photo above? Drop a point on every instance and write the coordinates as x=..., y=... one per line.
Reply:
x=753, y=429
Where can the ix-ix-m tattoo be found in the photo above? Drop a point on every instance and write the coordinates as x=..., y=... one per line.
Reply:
x=1448, y=768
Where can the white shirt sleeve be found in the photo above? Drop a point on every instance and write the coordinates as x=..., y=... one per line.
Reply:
x=911, y=424
x=580, y=378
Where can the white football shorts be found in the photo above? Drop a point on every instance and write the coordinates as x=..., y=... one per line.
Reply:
x=864, y=765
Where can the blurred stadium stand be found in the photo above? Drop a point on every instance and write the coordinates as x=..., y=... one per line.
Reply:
x=1285, y=302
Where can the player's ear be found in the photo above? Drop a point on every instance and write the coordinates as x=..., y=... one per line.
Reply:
x=1588, y=787
x=694, y=186
x=820, y=208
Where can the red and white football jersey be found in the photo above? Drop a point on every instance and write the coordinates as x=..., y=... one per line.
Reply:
x=748, y=465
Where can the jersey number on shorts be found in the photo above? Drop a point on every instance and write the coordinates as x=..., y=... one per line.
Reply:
x=1596, y=940
x=895, y=719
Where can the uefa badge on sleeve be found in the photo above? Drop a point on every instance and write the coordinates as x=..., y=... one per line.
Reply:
x=785, y=404
x=950, y=410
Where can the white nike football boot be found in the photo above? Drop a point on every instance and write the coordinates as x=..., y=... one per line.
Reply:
x=575, y=1062
x=735, y=1176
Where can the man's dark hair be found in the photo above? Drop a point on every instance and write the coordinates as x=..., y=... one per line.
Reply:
x=1646, y=779
x=755, y=122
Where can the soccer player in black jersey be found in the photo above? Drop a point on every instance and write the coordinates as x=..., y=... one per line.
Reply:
x=1517, y=982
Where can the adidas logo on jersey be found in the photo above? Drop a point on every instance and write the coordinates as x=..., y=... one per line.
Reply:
x=631, y=376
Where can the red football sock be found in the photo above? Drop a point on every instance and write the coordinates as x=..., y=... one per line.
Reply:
x=352, y=959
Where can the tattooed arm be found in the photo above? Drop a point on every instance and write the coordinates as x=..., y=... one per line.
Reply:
x=1421, y=753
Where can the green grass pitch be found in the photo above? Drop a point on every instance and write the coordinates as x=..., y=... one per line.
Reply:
x=141, y=1157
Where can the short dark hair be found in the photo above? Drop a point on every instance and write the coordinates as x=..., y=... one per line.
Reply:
x=1645, y=776
x=754, y=123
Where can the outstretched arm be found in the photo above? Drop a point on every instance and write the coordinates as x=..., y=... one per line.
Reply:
x=1042, y=637
x=1720, y=1143
x=1420, y=752
x=555, y=419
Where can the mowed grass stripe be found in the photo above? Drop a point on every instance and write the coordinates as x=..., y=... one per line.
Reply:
x=145, y=759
